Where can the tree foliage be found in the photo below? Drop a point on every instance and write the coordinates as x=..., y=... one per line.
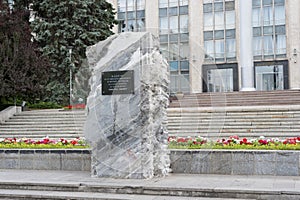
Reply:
x=61, y=24
x=23, y=69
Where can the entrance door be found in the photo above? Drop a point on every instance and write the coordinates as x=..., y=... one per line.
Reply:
x=269, y=78
x=220, y=80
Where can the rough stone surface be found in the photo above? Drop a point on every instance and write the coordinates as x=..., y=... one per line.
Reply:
x=236, y=162
x=127, y=132
x=43, y=159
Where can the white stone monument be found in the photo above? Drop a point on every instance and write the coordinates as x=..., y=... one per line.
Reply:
x=126, y=121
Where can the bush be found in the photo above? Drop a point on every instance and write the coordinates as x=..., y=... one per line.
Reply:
x=44, y=105
x=4, y=106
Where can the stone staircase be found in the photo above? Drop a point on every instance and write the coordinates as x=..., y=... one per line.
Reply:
x=212, y=115
x=36, y=124
x=246, y=114
x=253, y=98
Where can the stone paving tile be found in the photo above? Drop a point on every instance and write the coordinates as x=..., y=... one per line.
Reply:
x=196, y=181
x=86, y=195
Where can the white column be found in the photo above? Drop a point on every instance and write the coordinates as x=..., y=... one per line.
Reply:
x=293, y=48
x=196, y=47
x=151, y=17
x=246, y=57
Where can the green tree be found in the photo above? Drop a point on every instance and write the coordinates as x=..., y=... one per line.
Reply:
x=23, y=69
x=61, y=24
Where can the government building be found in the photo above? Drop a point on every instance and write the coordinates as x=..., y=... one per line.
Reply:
x=221, y=45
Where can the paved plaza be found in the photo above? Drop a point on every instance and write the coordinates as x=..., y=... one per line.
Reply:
x=243, y=186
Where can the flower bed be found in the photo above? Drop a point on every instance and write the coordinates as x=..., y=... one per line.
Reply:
x=234, y=142
x=44, y=143
x=75, y=106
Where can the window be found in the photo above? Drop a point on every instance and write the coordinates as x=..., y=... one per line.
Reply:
x=230, y=19
x=131, y=15
x=174, y=40
x=279, y=15
x=184, y=51
x=256, y=17
x=163, y=25
x=268, y=16
x=219, y=20
x=163, y=3
x=219, y=30
x=269, y=35
x=184, y=23
x=208, y=21
x=230, y=48
x=174, y=24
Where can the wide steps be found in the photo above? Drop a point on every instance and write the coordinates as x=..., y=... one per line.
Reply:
x=250, y=121
x=36, y=124
x=254, y=98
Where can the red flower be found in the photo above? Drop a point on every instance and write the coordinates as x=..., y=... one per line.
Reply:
x=263, y=142
x=181, y=140
x=74, y=142
x=46, y=140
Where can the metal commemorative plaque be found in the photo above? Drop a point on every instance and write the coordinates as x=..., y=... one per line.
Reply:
x=118, y=82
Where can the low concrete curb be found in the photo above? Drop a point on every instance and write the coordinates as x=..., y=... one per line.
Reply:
x=236, y=162
x=46, y=159
x=9, y=112
x=223, y=162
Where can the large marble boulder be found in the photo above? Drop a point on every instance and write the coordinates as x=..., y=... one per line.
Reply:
x=127, y=132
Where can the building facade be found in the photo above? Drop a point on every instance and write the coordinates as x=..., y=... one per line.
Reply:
x=221, y=45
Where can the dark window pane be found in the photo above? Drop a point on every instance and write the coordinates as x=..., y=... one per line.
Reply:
x=121, y=15
x=163, y=38
x=184, y=37
x=230, y=33
x=219, y=6
x=279, y=2
x=219, y=34
x=268, y=30
x=183, y=10
x=173, y=11
x=163, y=12
x=185, y=72
x=207, y=7
x=174, y=38
x=131, y=15
x=267, y=2
x=256, y=3
x=174, y=65
x=229, y=5
x=184, y=65
x=208, y=35
x=140, y=14
x=280, y=30
x=257, y=31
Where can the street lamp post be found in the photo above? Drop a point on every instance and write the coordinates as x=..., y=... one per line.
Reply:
x=70, y=54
